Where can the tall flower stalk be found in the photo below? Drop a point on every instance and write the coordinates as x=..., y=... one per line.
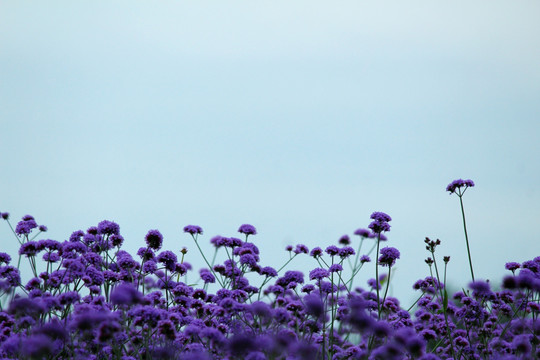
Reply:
x=459, y=187
x=378, y=226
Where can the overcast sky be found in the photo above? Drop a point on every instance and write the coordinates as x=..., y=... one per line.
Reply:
x=301, y=118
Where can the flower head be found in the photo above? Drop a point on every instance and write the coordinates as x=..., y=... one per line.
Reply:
x=125, y=294
x=389, y=255
x=108, y=227
x=247, y=229
x=318, y=274
x=25, y=226
x=380, y=222
x=345, y=240
x=154, y=239
x=458, y=184
x=365, y=233
x=193, y=229
x=207, y=276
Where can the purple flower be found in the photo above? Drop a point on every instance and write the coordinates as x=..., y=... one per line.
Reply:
x=344, y=240
x=37, y=346
x=249, y=260
x=332, y=250
x=269, y=271
x=5, y=215
x=154, y=239
x=25, y=226
x=365, y=233
x=219, y=241
x=389, y=255
x=481, y=288
x=318, y=274
x=149, y=267
x=346, y=252
x=301, y=249
x=69, y=297
x=247, y=229
x=4, y=258
x=167, y=329
x=289, y=277
x=193, y=229
x=29, y=248
x=380, y=222
x=167, y=258
x=42, y=228
x=314, y=306
x=522, y=344
x=335, y=268
x=146, y=254
x=116, y=240
x=364, y=259
x=207, y=276
x=125, y=294
x=378, y=227
x=316, y=252
x=76, y=236
x=380, y=216
x=458, y=184
x=107, y=227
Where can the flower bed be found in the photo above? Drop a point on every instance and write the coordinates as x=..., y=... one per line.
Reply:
x=89, y=299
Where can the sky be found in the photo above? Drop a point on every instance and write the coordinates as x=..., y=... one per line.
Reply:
x=301, y=118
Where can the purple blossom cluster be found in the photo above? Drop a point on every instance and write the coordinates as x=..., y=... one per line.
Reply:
x=89, y=299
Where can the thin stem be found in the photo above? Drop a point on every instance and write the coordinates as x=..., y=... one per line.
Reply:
x=466, y=236
x=205, y=260
x=387, y=284
x=377, y=276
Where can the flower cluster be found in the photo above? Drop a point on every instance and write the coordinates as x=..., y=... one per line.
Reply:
x=89, y=299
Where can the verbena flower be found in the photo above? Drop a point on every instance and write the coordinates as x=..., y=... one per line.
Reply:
x=207, y=276
x=318, y=274
x=344, y=240
x=26, y=225
x=332, y=250
x=301, y=249
x=457, y=184
x=389, y=255
x=335, y=268
x=365, y=233
x=4, y=258
x=154, y=239
x=108, y=228
x=193, y=229
x=364, y=259
x=247, y=229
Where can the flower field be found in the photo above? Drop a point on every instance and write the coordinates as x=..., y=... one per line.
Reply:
x=89, y=299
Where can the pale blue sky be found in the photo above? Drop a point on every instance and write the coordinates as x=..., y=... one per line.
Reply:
x=300, y=118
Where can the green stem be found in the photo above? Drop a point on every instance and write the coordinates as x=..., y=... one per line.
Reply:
x=377, y=276
x=466, y=236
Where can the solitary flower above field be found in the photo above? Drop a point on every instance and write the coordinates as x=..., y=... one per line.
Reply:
x=247, y=229
x=193, y=229
x=458, y=184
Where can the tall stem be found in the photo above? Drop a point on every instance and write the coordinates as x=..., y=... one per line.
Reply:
x=377, y=275
x=466, y=236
